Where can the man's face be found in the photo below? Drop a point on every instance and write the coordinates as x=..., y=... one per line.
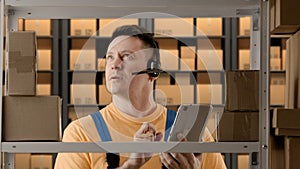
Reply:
x=125, y=55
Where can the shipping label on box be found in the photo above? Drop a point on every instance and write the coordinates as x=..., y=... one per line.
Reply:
x=27, y=118
x=22, y=63
x=242, y=90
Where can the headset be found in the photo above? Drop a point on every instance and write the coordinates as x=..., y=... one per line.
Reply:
x=153, y=65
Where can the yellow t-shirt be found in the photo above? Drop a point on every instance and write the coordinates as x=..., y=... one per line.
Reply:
x=122, y=128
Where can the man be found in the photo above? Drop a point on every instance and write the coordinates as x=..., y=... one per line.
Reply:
x=131, y=63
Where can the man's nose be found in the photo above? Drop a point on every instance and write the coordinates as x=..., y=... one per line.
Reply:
x=117, y=63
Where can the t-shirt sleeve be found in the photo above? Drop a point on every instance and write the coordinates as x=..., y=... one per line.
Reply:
x=212, y=160
x=73, y=133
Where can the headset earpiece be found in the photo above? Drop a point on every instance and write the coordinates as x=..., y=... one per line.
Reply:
x=153, y=66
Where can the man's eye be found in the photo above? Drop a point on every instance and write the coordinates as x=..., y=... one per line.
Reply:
x=128, y=56
x=109, y=57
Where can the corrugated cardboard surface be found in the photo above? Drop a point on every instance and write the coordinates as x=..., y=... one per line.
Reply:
x=238, y=126
x=242, y=90
x=284, y=16
x=22, y=161
x=41, y=162
x=292, y=152
x=32, y=118
x=22, y=63
x=276, y=152
x=286, y=118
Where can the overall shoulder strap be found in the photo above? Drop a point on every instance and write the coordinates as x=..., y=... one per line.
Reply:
x=171, y=114
x=101, y=126
x=112, y=159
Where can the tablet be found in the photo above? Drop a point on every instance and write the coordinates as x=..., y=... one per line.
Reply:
x=191, y=121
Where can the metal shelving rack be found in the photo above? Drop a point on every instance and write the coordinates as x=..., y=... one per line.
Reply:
x=66, y=9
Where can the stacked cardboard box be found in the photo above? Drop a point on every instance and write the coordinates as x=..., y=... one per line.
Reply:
x=284, y=16
x=285, y=137
x=26, y=116
x=240, y=120
x=292, y=72
x=286, y=122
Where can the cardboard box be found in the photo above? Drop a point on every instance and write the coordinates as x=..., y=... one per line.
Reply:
x=163, y=79
x=32, y=118
x=169, y=59
x=174, y=26
x=277, y=94
x=242, y=90
x=22, y=63
x=41, y=162
x=78, y=112
x=275, y=64
x=107, y=26
x=22, y=161
x=209, y=94
x=43, y=89
x=292, y=152
x=286, y=118
x=244, y=59
x=287, y=132
x=209, y=26
x=188, y=52
x=82, y=59
x=184, y=79
x=83, y=94
x=245, y=26
x=42, y=27
x=284, y=16
x=284, y=59
x=276, y=153
x=174, y=94
x=243, y=161
x=83, y=27
x=44, y=59
x=187, y=64
x=210, y=59
x=239, y=126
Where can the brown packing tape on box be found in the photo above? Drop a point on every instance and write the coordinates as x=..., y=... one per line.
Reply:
x=22, y=64
x=24, y=41
x=22, y=78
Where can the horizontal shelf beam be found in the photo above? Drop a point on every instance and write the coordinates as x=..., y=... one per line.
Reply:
x=54, y=147
x=66, y=12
